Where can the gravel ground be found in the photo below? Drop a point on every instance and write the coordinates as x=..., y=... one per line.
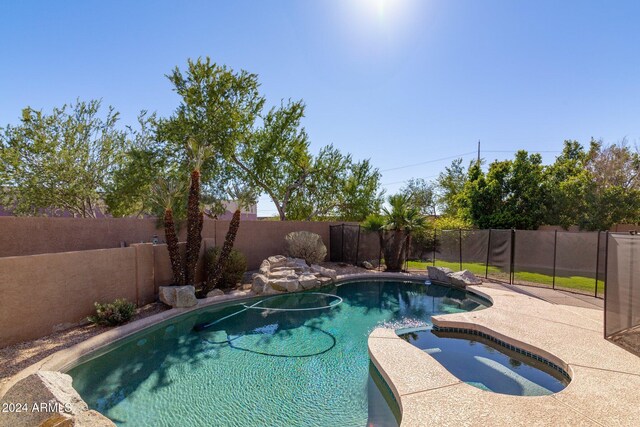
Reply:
x=15, y=358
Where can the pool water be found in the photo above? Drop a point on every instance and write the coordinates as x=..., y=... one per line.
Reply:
x=261, y=364
x=487, y=365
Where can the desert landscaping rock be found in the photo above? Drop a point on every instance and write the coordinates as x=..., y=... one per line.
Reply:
x=53, y=389
x=282, y=274
x=178, y=296
x=277, y=261
x=284, y=285
x=324, y=280
x=215, y=293
x=258, y=283
x=439, y=274
x=327, y=272
x=463, y=279
x=290, y=275
x=367, y=265
x=308, y=281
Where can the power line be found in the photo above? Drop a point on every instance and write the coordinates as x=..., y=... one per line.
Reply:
x=463, y=155
x=429, y=161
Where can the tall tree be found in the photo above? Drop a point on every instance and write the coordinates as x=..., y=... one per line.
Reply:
x=450, y=185
x=59, y=163
x=217, y=109
x=510, y=195
x=337, y=188
x=422, y=195
x=275, y=157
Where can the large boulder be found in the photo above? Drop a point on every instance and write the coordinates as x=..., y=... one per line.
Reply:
x=308, y=281
x=439, y=274
x=284, y=285
x=215, y=293
x=327, y=272
x=50, y=399
x=464, y=278
x=258, y=283
x=265, y=267
x=178, y=296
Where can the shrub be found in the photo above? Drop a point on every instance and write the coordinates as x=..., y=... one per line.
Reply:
x=234, y=270
x=305, y=245
x=113, y=313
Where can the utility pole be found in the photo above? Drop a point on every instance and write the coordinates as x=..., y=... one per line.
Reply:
x=478, y=152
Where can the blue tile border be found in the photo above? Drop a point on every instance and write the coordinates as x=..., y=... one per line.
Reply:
x=506, y=345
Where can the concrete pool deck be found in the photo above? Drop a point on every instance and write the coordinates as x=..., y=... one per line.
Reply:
x=605, y=384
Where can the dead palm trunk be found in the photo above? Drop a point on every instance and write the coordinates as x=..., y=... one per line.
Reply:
x=194, y=229
x=173, y=248
x=214, y=280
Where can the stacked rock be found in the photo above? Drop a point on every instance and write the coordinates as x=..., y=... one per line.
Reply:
x=282, y=274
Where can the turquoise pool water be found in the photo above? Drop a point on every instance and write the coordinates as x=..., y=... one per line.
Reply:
x=259, y=364
x=489, y=366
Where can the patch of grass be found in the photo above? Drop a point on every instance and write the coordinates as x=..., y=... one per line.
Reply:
x=575, y=283
x=475, y=267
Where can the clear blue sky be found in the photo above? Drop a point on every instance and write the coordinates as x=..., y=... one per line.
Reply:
x=397, y=81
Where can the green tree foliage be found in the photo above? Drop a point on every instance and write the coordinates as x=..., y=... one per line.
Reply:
x=61, y=162
x=337, y=188
x=422, y=195
x=223, y=111
x=450, y=185
x=567, y=184
x=511, y=194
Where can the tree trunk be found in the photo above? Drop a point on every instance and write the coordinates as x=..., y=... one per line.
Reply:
x=194, y=229
x=394, y=251
x=214, y=280
x=173, y=248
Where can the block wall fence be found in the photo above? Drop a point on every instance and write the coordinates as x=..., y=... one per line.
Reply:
x=52, y=270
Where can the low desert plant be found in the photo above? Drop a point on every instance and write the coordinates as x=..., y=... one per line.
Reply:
x=305, y=245
x=233, y=270
x=113, y=313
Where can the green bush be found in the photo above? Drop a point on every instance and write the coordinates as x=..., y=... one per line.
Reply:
x=234, y=270
x=113, y=313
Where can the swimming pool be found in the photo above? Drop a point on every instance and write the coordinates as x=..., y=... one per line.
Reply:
x=262, y=363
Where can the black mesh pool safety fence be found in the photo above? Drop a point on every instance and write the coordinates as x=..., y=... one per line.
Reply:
x=622, y=300
x=579, y=262
x=572, y=261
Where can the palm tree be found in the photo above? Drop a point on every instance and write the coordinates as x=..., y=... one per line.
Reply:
x=401, y=219
x=165, y=193
x=198, y=153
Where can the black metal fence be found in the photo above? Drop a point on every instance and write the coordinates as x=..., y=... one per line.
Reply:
x=572, y=261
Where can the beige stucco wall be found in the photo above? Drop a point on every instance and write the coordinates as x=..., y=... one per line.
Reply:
x=41, y=293
x=38, y=235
